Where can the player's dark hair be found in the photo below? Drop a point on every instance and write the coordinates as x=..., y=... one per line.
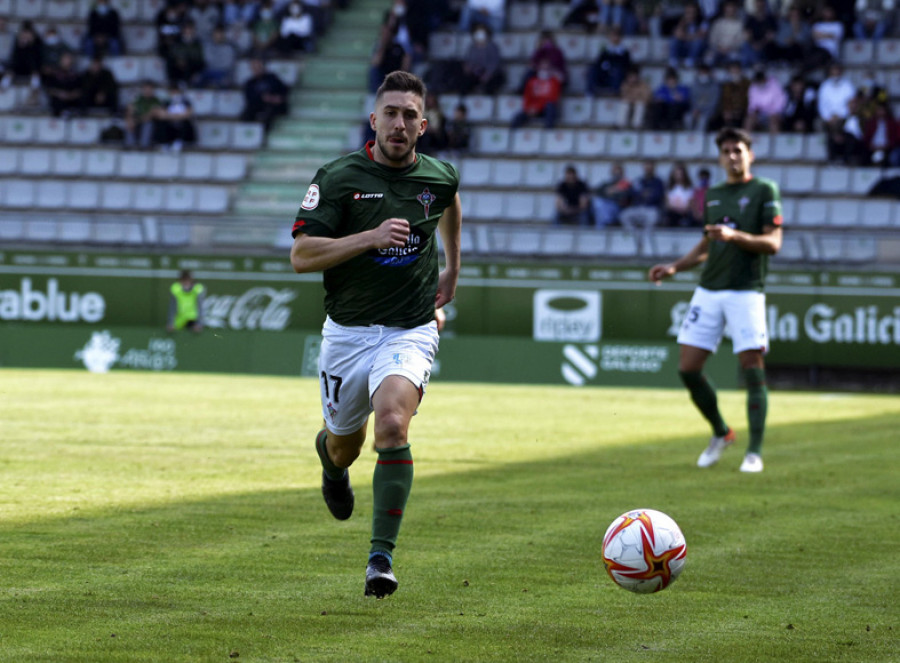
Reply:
x=402, y=81
x=735, y=134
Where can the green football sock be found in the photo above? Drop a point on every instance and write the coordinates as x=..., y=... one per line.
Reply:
x=703, y=393
x=391, y=484
x=332, y=471
x=757, y=406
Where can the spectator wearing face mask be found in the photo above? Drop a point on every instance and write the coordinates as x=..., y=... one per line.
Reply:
x=104, y=31
x=491, y=13
x=482, y=68
x=296, y=31
x=541, y=98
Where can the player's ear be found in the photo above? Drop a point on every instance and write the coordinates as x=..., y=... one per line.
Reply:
x=372, y=121
x=423, y=126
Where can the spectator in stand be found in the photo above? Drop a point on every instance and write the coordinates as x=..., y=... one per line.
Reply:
x=168, y=26
x=648, y=197
x=547, y=49
x=881, y=136
x=679, y=195
x=874, y=19
x=766, y=101
x=618, y=14
x=584, y=14
x=726, y=36
x=220, y=57
x=800, y=108
x=833, y=98
x=573, y=200
x=846, y=141
x=99, y=88
x=698, y=198
x=611, y=198
x=827, y=35
x=706, y=92
x=139, y=117
x=605, y=75
x=264, y=30
x=205, y=15
x=320, y=10
x=459, y=130
x=482, y=67
x=104, y=31
x=491, y=13
x=733, y=104
x=175, y=121
x=63, y=87
x=671, y=102
x=296, y=31
x=760, y=27
x=688, y=43
x=793, y=38
x=390, y=54
x=25, y=57
x=424, y=17
x=52, y=49
x=239, y=12
x=265, y=95
x=636, y=95
x=435, y=137
x=184, y=58
x=649, y=15
x=541, y=97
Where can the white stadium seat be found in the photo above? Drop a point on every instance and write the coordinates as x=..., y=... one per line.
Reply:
x=18, y=129
x=84, y=195
x=229, y=167
x=68, y=162
x=475, y=172
x=134, y=165
x=197, y=166
x=100, y=163
x=508, y=172
x=35, y=161
x=148, y=197
x=179, y=198
x=52, y=194
x=590, y=143
x=116, y=196
x=19, y=193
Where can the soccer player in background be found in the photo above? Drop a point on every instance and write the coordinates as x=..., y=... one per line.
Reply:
x=369, y=222
x=741, y=229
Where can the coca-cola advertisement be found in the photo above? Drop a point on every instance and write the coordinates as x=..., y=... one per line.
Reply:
x=261, y=308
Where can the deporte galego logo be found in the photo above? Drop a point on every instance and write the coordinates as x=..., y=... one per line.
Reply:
x=572, y=316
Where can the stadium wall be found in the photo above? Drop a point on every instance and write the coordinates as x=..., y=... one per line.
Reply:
x=530, y=323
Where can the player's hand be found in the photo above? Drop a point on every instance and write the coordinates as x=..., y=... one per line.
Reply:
x=719, y=232
x=659, y=272
x=392, y=233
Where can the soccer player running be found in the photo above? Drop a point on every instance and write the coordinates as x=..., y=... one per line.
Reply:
x=369, y=221
x=742, y=228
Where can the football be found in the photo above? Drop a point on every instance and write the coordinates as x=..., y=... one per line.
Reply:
x=644, y=551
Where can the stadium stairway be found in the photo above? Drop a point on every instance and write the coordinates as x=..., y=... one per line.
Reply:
x=325, y=118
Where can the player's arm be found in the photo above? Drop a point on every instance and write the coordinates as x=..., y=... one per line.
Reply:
x=768, y=242
x=449, y=226
x=688, y=261
x=314, y=254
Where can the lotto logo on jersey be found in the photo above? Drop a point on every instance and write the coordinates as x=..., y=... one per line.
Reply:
x=311, y=199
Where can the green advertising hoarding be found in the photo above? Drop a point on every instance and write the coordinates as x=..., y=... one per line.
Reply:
x=576, y=324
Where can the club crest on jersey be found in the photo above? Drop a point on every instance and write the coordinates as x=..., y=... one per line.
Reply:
x=311, y=199
x=427, y=199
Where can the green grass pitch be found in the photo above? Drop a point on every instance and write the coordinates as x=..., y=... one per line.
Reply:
x=177, y=517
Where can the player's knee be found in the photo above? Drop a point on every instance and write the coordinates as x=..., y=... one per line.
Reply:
x=343, y=456
x=391, y=429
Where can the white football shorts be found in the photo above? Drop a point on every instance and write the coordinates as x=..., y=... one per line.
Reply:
x=354, y=361
x=711, y=312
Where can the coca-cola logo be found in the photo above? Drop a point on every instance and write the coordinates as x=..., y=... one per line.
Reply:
x=258, y=308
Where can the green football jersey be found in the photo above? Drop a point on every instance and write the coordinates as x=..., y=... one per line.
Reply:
x=749, y=207
x=393, y=287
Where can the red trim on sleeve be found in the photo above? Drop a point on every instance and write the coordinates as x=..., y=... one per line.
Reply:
x=778, y=220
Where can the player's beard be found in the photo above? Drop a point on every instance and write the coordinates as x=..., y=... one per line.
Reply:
x=396, y=152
